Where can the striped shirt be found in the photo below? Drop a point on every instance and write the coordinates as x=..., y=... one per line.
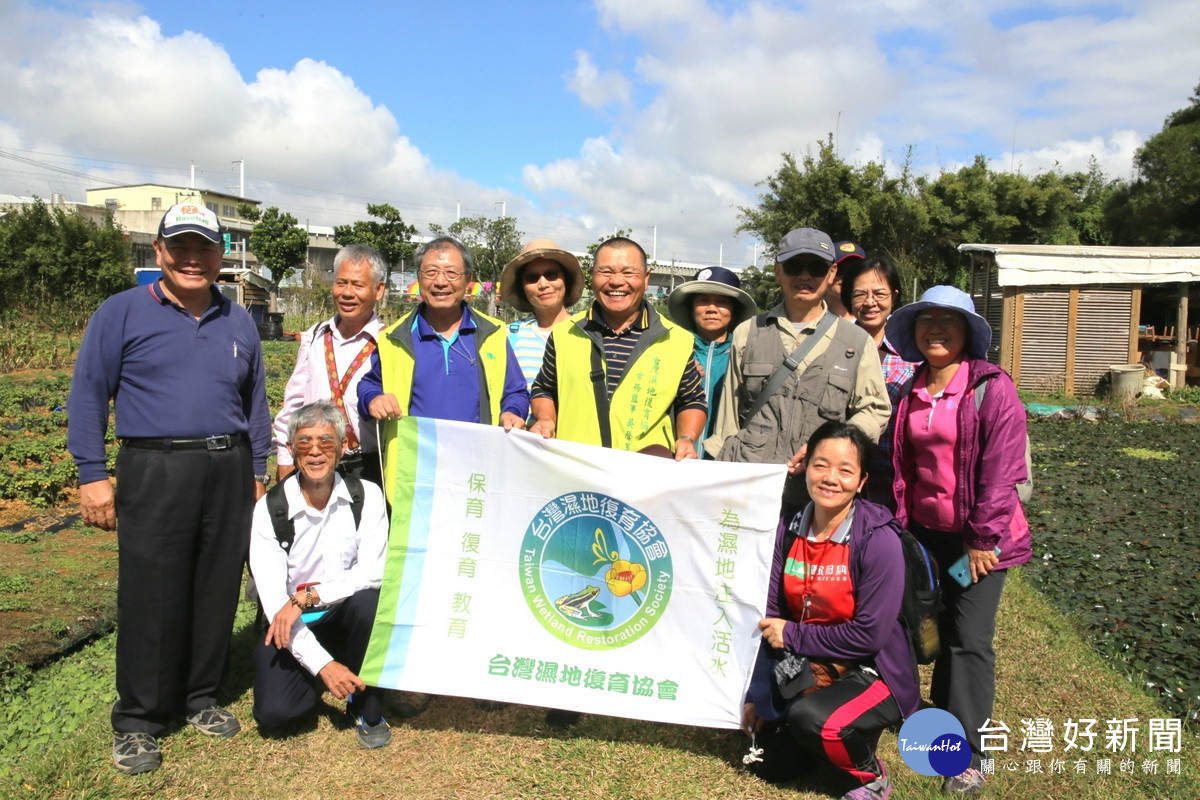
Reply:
x=529, y=343
x=617, y=349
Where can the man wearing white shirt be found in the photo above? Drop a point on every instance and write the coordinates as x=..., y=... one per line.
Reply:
x=333, y=567
x=333, y=357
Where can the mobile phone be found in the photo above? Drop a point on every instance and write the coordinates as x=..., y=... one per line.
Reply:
x=960, y=570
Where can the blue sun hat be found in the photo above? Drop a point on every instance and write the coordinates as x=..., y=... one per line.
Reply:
x=899, y=328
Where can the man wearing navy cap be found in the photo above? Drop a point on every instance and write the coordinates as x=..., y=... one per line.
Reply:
x=184, y=367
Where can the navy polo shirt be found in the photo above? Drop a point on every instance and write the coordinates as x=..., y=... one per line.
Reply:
x=446, y=375
x=169, y=376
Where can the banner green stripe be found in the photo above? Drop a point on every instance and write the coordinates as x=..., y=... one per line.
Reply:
x=405, y=445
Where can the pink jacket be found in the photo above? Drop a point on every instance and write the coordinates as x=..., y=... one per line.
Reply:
x=990, y=463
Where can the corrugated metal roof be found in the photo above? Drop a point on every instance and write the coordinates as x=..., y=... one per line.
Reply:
x=1074, y=265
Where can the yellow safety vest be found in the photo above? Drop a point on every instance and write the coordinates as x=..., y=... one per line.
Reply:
x=397, y=365
x=640, y=409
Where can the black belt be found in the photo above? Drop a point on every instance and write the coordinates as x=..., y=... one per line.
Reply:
x=223, y=442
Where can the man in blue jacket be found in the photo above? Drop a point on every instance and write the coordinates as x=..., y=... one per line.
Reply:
x=184, y=367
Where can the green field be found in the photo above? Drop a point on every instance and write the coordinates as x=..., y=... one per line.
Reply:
x=1102, y=625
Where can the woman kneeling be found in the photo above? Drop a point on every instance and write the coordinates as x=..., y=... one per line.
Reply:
x=835, y=667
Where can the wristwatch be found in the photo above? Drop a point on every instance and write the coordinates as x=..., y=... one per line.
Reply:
x=264, y=479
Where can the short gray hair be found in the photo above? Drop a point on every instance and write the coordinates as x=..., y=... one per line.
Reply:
x=445, y=242
x=315, y=415
x=355, y=253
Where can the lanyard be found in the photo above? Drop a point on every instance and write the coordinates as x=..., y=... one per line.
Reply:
x=337, y=388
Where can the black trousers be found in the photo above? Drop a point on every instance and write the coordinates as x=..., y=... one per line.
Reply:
x=284, y=690
x=839, y=725
x=183, y=534
x=964, y=675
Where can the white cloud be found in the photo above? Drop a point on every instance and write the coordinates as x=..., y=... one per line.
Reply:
x=594, y=88
x=702, y=98
x=1113, y=154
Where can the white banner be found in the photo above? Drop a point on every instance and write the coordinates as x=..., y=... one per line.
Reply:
x=570, y=576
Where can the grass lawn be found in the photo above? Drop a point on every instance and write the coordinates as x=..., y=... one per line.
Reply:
x=1054, y=618
x=455, y=750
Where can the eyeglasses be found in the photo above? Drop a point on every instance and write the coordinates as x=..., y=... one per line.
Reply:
x=941, y=320
x=795, y=267
x=878, y=295
x=448, y=274
x=628, y=274
x=325, y=444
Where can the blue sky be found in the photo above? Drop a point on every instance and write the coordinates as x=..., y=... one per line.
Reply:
x=574, y=117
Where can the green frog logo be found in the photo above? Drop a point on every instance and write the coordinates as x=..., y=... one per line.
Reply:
x=578, y=604
x=595, y=572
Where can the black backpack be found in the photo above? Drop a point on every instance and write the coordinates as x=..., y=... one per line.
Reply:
x=285, y=529
x=922, y=599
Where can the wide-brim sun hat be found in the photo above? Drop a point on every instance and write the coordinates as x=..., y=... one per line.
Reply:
x=901, y=324
x=710, y=280
x=512, y=289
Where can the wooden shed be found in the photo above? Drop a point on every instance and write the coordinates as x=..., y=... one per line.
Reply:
x=1061, y=315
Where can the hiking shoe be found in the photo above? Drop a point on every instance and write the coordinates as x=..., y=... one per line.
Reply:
x=135, y=753
x=559, y=720
x=878, y=789
x=374, y=736
x=215, y=722
x=968, y=782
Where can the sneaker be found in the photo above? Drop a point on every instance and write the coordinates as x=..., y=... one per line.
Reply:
x=135, y=753
x=215, y=722
x=374, y=736
x=878, y=789
x=968, y=782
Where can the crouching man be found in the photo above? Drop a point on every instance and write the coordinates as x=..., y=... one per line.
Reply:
x=316, y=551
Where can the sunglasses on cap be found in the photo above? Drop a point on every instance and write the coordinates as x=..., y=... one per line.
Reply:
x=797, y=265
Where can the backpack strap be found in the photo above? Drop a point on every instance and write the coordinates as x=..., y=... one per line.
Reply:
x=285, y=529
x=354, y=485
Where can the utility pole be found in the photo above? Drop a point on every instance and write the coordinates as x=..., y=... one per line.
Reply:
x=654, y=244
x=192, y=177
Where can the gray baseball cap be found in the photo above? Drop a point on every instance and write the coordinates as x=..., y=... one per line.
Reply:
x=805, y=240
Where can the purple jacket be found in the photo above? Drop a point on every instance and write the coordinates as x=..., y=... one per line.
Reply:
x=990, y=464
x=875, y=632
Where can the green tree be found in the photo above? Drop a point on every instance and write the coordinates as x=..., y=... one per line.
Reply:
x=881, y=212
x=391, y=236
x=760, y=284
x=60, y=265
x=1162, y=205
x=493, y=242
x=278, y=244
